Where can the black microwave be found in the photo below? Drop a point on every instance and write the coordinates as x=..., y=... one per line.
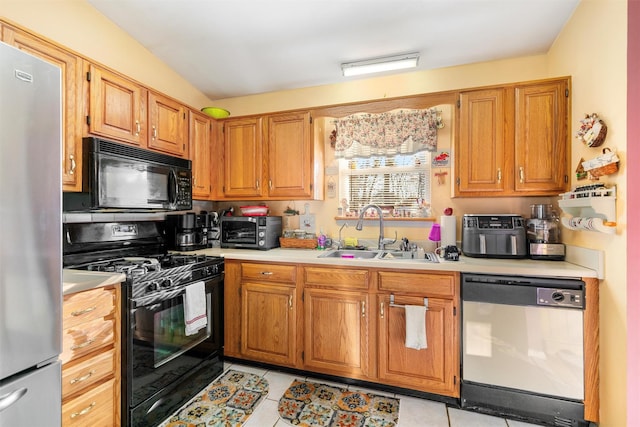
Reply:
x=250, y=232
x=120, y=177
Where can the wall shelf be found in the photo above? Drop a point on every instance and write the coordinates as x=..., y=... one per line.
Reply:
x=590, y=210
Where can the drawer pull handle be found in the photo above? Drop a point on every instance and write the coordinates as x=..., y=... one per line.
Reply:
x=137, y=132
x=85, y=311
x=83, y=345
x=72, y=169
x=84, y=411
x=521, y=175
x=267, y=273
x=362, y=306
x=83, y=378
x=290, y=302
x=382, y=310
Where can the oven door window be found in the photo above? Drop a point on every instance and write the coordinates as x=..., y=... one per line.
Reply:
x=239, y=232
x=129, y=184
x=161, y=327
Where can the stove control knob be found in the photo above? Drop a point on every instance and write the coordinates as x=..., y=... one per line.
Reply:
x=153, y=286
x=166, y=283
x=557, y=296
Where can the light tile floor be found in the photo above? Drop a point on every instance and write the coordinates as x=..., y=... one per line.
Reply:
x=413, y=411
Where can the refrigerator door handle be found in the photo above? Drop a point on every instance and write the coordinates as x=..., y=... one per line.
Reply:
x=11, y=398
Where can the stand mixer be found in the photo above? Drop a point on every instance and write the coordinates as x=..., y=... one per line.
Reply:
x=543, y=234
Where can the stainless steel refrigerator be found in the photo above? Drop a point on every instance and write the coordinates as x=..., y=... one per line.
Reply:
x=30, y=240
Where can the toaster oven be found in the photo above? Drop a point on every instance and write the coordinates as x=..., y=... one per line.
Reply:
x=494, y=236
x=250, y=232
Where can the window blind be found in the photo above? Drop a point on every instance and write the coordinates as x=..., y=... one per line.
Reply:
x=398, y=181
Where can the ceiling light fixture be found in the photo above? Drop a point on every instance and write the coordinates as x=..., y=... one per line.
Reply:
x=378, y=65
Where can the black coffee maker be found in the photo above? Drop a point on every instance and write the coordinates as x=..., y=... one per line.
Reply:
x=187, y=231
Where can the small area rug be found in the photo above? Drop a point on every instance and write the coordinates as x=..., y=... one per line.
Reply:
x=227, y=402
x=309, y=404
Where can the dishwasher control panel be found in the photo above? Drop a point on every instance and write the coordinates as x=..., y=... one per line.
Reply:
x=561, y=297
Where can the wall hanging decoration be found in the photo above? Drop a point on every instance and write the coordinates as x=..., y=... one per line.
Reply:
x=605, y=164
x=394, y=132
x=580, y=172
x=592, y=130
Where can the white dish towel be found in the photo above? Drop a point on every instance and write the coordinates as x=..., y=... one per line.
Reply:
x=416, y=329
x=195, y=308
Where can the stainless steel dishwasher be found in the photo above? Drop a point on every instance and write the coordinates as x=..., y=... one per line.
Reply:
x=522, y=347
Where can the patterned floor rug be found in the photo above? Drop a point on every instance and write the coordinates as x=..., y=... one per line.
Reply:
x=227, y=402
x=308, y=404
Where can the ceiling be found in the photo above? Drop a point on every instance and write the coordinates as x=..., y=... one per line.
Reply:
x=230, y=48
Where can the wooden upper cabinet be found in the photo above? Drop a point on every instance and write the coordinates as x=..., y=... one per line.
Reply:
x=289, y=156
x=71, y=72
x=481, y=152
x=512, y=140
x=117, y=107
x=271, y=157
x=168, y=126
x=200, y=152
x=242, y=158
x=541, y=137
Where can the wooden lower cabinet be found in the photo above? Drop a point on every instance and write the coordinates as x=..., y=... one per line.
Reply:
x=91, y=358
x=434, y=369
x=346, y=326
x=261, y=316
x=337, y=332
x=268, y=323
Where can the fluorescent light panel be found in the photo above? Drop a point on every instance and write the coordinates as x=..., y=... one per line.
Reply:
x=378, y=65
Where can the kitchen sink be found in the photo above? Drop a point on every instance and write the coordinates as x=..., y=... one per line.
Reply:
x=350, y=253
x=382, y=255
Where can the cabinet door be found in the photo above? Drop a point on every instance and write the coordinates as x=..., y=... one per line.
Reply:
x=480, y=154
x=167, y=125
x=117, y=107
x=337, y=332
x=200, y=152
x=242, y=158
x=289, y=156
x=71, y=72
x=431, y=370
x=268, y=323
x=541, y=137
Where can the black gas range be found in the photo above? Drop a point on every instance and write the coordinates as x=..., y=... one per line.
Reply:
x=164, y=364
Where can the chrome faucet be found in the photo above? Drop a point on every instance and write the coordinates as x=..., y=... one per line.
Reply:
x=381, y=239
x=340, y=235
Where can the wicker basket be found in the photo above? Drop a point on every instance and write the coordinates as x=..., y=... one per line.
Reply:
x=287, y=242
x=596, y=135
x=602, y=165
x=604, y=170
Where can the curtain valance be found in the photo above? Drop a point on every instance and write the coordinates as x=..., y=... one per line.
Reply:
x=395, y=132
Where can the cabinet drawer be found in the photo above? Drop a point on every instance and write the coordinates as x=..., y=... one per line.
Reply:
x=432, y=284
x=85, y=338
x=84, y=374
x=86, y=306
x=269, y=272
x=342, y=278
x=94, y=408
